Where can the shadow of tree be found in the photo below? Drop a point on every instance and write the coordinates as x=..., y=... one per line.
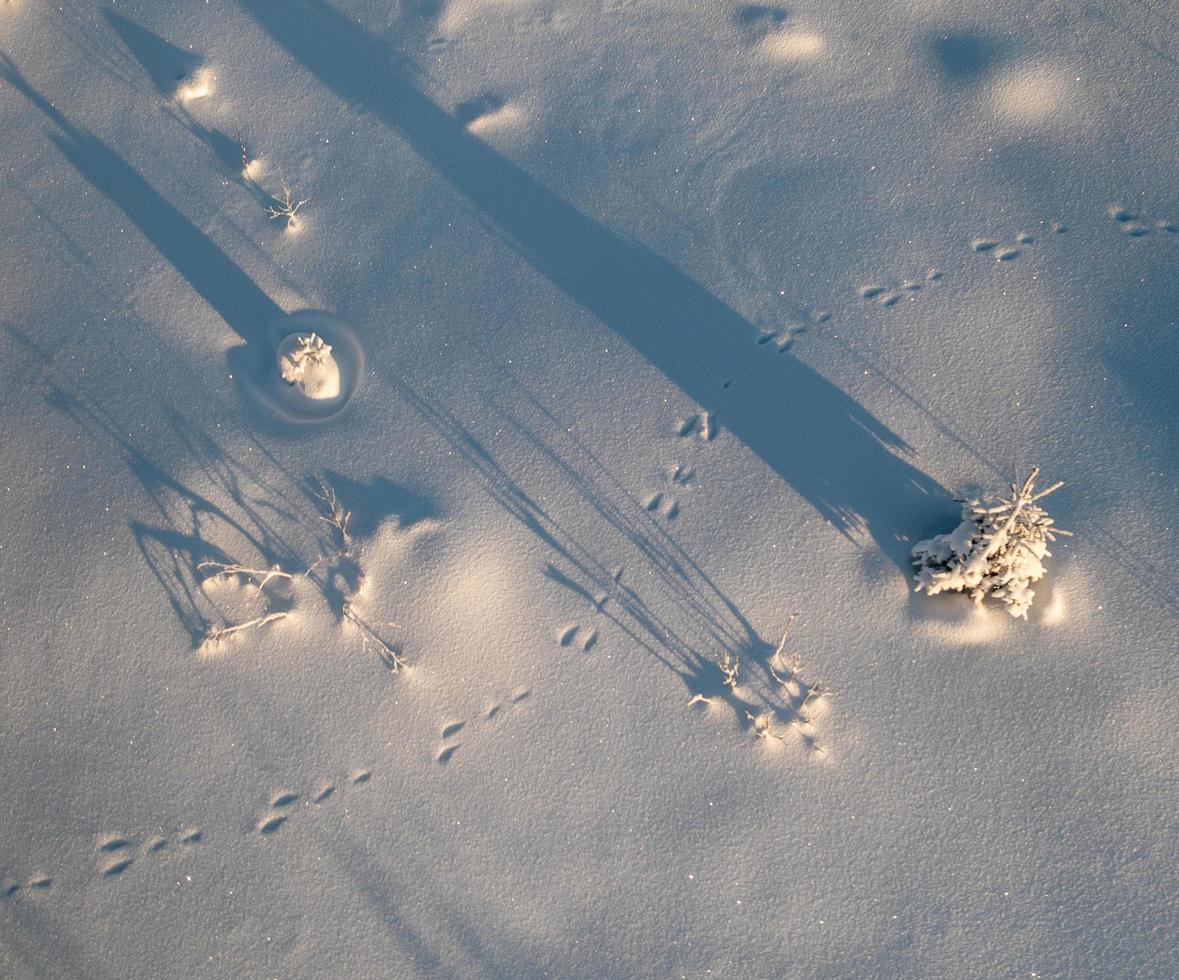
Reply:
x=831, y=450
x=216, y=278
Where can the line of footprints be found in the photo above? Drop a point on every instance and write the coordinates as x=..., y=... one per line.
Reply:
x=702, y=426
x=445, y=752
x=782, y=338
x=37, y=883
x=1135, y=225
x=279, y=811
x=890, y=293
x=117, y=853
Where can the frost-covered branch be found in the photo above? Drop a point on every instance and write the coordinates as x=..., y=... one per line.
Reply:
x=997, y=551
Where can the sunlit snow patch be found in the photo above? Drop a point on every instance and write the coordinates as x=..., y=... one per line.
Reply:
x=793, y=46
x=500, y=118
x=198, y=86
x=1031, y=94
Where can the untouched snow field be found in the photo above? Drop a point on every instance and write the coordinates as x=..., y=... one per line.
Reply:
x=657, y=322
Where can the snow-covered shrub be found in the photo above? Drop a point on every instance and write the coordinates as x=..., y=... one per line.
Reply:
x=996, y=551
x=306, y=363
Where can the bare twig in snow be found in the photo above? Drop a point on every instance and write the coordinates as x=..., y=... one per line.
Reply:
x=247, y=163
x=763, y=725
x=218, y=633
x=792, y=670
x=261, y=577
x=372, y=642
x=729, y=666
x=336, y=515
x=287, y=206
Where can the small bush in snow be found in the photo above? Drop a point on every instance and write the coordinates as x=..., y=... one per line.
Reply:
x=996, y=551
x=286, y=206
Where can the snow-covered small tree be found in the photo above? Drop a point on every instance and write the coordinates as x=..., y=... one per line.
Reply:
x=996, y=551
x=306, y=363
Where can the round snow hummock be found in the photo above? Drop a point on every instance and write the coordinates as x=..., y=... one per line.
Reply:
x=305, y=362
x=319, y=365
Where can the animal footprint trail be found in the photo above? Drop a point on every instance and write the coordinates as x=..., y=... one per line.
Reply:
x=31, y=886
x=702, y=425
x=577, y=635
x=448, y=748
x=892, y=292
x=664, y=504
x=782, y=340
x=449, y=731
x=1008, y=252
x=1135, y=225
x=118, y=854
x=282, y=807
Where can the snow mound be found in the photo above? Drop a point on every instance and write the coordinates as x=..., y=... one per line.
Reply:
x=305, y=362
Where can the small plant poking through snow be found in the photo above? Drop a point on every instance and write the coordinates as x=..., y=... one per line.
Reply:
x=257, y=579
x=335, y=514
x=997, y=551
x=372, y=642
x=305, y=362
x=261, y=577
x=249, y=163
x=729, y=666
x=336, y=575
x=789, y=703
x=309, y=351
x=287, y=206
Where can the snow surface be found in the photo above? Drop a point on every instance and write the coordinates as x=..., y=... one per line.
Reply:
x=671, y=319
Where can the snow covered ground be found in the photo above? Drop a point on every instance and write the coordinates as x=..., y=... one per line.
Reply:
x=658, y=322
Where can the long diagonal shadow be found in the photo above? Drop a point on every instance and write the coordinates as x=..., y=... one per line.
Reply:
x=831, y=450
x=218, y=280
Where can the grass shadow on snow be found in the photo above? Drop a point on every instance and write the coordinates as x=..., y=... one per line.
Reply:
x=187, y=525
x=665, y=603
x=230, y=507
x=833, y=452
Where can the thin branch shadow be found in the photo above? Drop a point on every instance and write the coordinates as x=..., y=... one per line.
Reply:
x=673, y=612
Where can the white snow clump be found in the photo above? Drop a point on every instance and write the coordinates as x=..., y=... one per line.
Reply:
x=306, y=362
x=996, y=551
